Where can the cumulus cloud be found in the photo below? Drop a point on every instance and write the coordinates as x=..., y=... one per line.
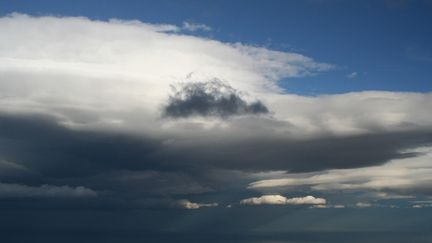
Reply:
x=8, y=190
x=281, y=200
x=81, y=98
x=212, y=98
x=186, y=204
x=123, y=84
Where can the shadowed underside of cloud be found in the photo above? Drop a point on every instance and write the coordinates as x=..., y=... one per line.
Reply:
x=40, y=151
x=42, y=145
x=281, y=200
x=212, y=98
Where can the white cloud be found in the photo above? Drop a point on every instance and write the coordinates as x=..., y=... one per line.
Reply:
x=44, y=191
x=186, y=204
x=281, y=200
x=102, y=74
x=404, y=175
x=266, y=199
x=117, y=75
x=352, y=75
x=190, y=26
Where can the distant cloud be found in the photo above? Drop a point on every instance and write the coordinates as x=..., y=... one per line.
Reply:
x=281, y=200
x=186, y=204
x=421, y=206
x=328, y=206
x=190, y=26
x=352, y=75
x=363, y=205
x=212, y=98
x=45, y=191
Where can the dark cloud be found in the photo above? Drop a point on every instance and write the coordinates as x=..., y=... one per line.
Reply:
x=124, y=169
x=137, y=179
x=264, y=153
x=41, y=145
x=212, y=98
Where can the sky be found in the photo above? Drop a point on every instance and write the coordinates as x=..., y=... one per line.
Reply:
x=217, y=121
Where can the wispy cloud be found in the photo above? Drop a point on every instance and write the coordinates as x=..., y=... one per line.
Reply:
x=191, y=26
x=352, y=75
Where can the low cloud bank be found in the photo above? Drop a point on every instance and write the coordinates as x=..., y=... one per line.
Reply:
x=281, y=200
x=45, y=191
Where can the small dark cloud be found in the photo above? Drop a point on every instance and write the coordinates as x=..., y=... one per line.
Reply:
x=213, y=98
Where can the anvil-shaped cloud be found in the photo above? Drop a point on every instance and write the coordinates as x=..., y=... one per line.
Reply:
x=89, y=103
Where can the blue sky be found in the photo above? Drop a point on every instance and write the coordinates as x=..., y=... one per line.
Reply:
x=385, y=45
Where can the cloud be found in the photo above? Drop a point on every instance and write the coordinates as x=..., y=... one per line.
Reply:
x=212, y=98
x=190, y=26
x=421, y=206
x=242, y=150
x=328, y=206
x=124, y=84
x=281, y=200
x=44, y=191
x=352, y=75
x=186, y=204
x=405, y=175
x=363, y=205
x=81, y=103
